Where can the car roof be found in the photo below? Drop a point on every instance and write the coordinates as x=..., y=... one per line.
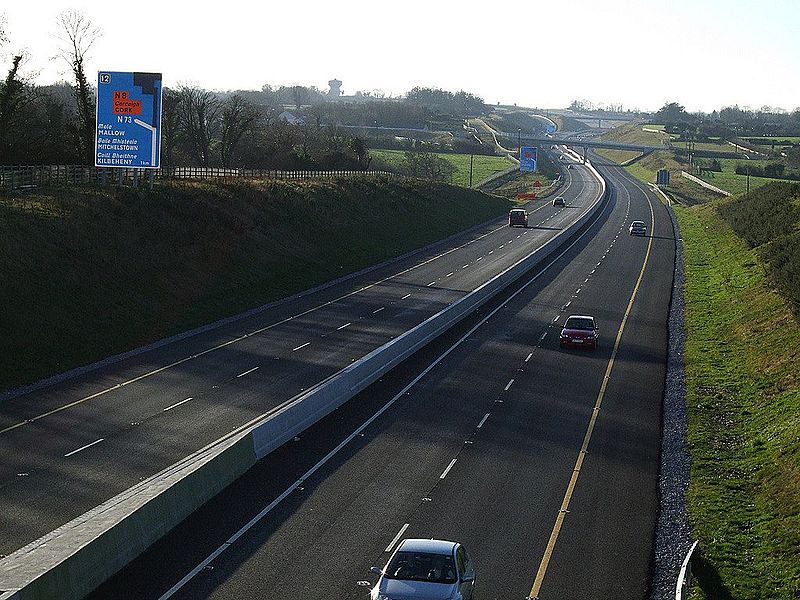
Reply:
x=429, y=546
x=580, y=317
x=517, y=210
x=637, y=223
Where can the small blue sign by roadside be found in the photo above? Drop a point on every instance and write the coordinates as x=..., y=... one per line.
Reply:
x=128, y=120
x=551, y=128
x=527, y=158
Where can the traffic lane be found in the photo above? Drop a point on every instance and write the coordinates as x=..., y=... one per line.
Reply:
x=38, y=496
x=341, y=310
x=252, y=353
x=18, y=410
x=551, y=399
x=173, y=550
x=612, y=513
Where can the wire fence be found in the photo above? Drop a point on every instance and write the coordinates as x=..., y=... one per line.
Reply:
x=25, y=177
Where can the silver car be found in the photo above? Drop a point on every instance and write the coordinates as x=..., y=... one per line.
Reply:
x=426, y=570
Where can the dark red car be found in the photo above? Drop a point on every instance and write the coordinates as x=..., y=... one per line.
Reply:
x=580, y=331
x=518, y=216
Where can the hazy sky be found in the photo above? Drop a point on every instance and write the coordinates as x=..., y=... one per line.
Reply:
x=704, y=54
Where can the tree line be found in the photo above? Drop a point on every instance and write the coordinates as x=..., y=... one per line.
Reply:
x=55, y=124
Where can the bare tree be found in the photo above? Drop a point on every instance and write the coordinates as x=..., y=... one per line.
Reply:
x=77, y=35
x=11, y=100
x=238, y=117
x=171, y=133
x=200, y=111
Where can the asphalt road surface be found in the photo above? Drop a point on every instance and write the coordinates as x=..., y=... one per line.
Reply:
x=67, y=448
x=543, y=462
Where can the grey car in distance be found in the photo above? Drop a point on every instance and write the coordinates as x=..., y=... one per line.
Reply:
x=426, y=570
x=638, y=228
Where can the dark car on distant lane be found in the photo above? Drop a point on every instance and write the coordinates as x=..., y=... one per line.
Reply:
x=517, y=217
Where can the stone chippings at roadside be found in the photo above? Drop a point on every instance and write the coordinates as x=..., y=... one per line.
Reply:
x=673, y=534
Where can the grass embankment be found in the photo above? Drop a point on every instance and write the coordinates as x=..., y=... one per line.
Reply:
x=483, y=166
x=743, y=397
x=90, y=272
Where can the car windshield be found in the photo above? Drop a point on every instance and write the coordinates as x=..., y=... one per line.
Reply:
x=422, y=566
x=638, y=223
x=579, y=323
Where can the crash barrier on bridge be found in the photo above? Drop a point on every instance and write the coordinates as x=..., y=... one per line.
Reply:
x=708, y=186
x=684, y=584
x=21, y=177
x=77, y=557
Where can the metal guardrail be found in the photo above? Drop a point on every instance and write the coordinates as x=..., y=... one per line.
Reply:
x=22, y=177
x=684, y=585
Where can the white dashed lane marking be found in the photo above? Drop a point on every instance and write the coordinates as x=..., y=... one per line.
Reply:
x=343, y=326
x=83, y=447
x=447, y=470
x=176, y=404
x=396, y=538
x=301, y=346
x=246, y=372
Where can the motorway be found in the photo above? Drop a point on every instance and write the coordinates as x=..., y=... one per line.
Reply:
x=543, y=462
x=69, y=447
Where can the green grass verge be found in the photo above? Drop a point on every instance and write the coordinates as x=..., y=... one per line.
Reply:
x=733, y=183
x=483, y=166
x=618, y=156
x=633, y=133
x=743, y=397
x=90, y=272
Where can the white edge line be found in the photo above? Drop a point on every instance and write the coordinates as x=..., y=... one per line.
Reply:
x=447, y=470
x=396, y=538
x=83, y=447
x=176, y=404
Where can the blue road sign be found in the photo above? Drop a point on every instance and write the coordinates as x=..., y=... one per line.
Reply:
x=128, y=120
x=527, y=158
x=551, y=128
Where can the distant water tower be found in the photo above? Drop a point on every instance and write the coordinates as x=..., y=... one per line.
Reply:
x=336, y=88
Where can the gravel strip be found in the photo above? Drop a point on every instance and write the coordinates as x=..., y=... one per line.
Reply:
x=673, y=534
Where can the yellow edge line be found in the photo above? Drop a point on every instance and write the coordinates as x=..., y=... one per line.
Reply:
x=548, y=553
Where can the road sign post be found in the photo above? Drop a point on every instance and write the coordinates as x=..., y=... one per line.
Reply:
x=128, y=121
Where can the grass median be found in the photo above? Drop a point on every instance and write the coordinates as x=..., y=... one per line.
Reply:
x=89, y=271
